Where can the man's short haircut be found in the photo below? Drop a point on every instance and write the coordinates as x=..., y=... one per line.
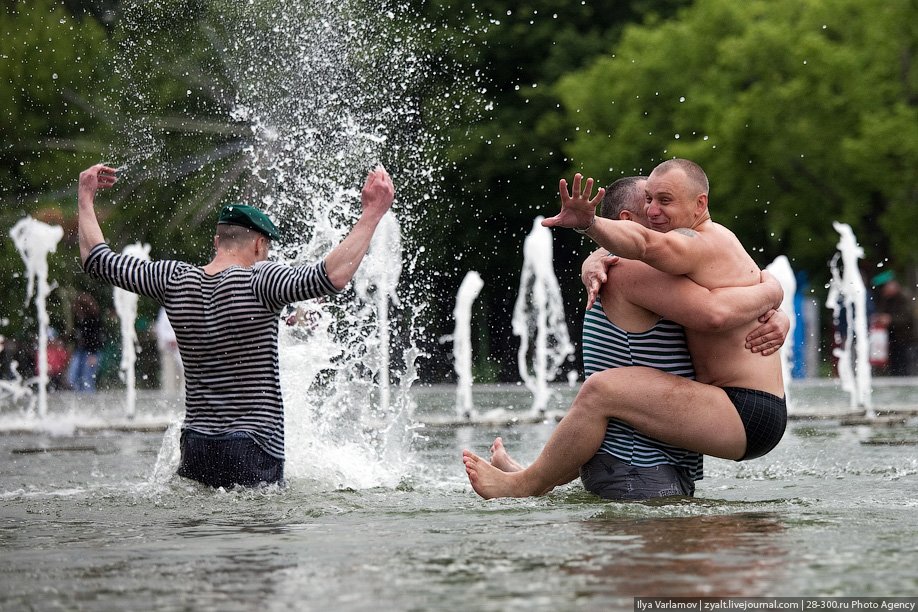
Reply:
x=623, y=194
x=692, y=170
x=235, y=235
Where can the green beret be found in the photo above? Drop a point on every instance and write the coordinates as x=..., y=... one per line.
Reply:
x=250, y=217
x=883, y=277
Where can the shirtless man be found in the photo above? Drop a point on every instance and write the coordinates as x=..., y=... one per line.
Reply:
x=638, y=321
x=734, y=410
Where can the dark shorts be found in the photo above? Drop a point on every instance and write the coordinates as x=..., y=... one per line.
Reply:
x=227, y=460
x=764, y=418
x=612, y=478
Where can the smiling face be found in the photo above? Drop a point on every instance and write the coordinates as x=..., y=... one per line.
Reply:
x=673, y=199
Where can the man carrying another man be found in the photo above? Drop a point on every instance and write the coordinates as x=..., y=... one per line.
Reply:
x=639, y=321
x=736, y=409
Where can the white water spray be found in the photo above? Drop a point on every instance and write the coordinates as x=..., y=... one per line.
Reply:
x=848, y=296
x=781, y=269
x=35, y=241
x=376, y=283
x=321, y=93
x=462, y=343
x=538, y=318
x=126, y=307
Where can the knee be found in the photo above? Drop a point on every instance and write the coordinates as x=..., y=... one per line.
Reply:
x=592, y=396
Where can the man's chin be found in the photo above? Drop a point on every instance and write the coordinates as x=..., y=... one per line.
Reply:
x=660, y=227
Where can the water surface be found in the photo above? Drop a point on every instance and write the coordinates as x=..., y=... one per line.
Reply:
x=833, y=511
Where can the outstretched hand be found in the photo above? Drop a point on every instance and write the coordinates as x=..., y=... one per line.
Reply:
x=378, y=192
x=577, y=206
x=96, y=177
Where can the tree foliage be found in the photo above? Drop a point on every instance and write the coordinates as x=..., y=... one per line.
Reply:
x=801, y=112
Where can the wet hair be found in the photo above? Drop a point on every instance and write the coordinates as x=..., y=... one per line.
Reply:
x=692, y=170
x=231, y=236
x=622, y=195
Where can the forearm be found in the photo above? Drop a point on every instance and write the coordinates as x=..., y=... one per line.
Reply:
x=342, y=262
x=731, y=307
x=624, y=238
x=89, y=230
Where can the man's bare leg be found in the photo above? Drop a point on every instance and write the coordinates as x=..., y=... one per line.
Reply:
x=501, y=459
x=669, y=408
x=484, y=480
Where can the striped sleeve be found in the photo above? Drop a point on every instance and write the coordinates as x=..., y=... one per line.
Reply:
x=277, y=285
x=148, y=278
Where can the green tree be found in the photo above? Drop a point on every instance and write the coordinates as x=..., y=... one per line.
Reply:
x=505, y=154
x=801, y=112
x=51, y=69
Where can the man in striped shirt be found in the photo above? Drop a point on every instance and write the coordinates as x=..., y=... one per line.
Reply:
x=622, y=330
x=225, y=316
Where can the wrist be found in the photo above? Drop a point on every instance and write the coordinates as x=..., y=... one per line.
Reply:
x=587, y=228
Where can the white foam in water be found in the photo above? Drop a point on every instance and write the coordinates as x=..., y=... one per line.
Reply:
x=539, y=319
x=848, y=297
x=462, y=343
x=781, y=269
x=35, y=241
x=126, y=307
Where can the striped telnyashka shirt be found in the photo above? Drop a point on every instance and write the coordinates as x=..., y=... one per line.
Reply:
x=226, y=326
x=662, y=347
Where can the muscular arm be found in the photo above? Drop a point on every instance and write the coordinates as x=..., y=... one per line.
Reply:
x=679, y=299
x=676, y=252
x=91, y=180
x=342, y=262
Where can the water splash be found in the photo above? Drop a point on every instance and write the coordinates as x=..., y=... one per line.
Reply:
x=781, y=269
x=462, y=343
x=848, y=298
x=538, y=318
x=302, y=100
x=35, y=241
x=126, y=307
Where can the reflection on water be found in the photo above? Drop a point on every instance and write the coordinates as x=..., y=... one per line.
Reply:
x=728, y=555
x=82, y=519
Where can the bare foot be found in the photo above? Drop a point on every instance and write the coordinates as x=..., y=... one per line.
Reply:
x=501, y=459
x=489, y=481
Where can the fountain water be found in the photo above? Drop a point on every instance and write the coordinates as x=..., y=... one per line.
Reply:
x=323, y=93
x=781, y=269
x=539, y=319
x=376, y=284
x=35, y=241
x=462, y=343
x=126, y=307
x=847, y=299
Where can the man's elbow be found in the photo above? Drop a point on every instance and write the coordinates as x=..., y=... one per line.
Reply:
x=713, y=319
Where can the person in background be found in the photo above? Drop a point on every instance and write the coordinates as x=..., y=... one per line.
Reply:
x=892, y=312
x=87, y=343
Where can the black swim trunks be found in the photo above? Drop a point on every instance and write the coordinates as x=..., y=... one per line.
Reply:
x=227, y=460
x=764, y=418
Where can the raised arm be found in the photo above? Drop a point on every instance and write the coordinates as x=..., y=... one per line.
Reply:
x=376, y=197
x=675, y=252
x=92, y=179
x=679, y=299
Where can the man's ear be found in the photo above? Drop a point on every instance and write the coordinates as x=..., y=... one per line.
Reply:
x=626, y=215
x=701, y=203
